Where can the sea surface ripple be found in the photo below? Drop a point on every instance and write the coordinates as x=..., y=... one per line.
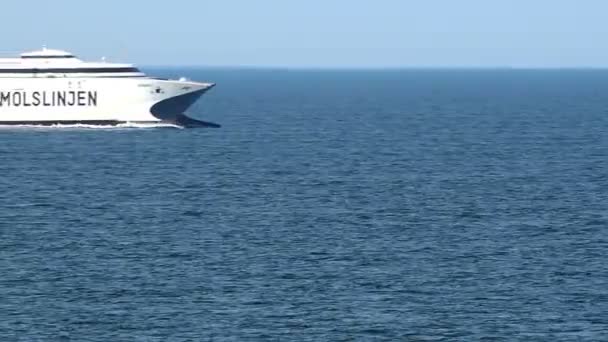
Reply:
x=422, y=205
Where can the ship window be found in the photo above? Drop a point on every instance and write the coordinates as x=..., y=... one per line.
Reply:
x=69, y=70
x=47, y=57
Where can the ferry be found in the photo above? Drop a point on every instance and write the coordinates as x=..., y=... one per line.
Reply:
x=54, y=87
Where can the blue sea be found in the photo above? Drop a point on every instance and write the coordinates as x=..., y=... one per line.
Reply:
x=386, y=205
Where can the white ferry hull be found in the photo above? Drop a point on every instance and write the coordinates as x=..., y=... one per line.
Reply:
x=103, y=100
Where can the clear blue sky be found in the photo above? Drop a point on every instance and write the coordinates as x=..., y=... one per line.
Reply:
x=317, y=33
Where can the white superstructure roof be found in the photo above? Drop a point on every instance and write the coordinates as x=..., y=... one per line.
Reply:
x=60, y=63
x=47, y=53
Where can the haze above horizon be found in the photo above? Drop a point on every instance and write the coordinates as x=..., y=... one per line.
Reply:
x=318, y=34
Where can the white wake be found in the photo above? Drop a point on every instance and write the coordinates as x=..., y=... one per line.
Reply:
x=127, y=125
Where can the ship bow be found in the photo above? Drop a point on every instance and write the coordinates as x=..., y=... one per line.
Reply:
x=171, y=109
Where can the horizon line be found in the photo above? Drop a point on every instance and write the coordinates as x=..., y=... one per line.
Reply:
x=368, y=68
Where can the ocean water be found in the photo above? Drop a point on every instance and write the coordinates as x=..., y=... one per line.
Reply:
x=413, y=205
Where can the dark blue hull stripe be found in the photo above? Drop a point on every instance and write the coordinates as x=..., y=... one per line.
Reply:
x=68, y=122
x=181, y=120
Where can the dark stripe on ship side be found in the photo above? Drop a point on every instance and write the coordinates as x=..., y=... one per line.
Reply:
x=47, y=57
x=68, y=70
x=70, y=122
x=81, y=76
x=180, y=120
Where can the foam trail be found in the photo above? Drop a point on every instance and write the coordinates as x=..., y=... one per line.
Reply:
x=148, y=125
x=127, y=125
